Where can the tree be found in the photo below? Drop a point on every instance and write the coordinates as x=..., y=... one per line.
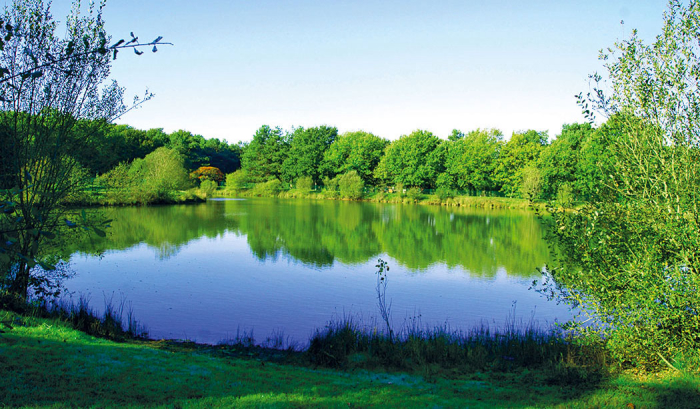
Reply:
x=264, y=155
x=47, y=85
x=359, y=151
x=521, y=150
x=631, y=255
x=208, y=173
x=470, y=161
x=561, y=162
x=306, y=150
x=412, y=160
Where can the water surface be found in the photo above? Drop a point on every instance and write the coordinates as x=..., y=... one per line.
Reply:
x=208, y=272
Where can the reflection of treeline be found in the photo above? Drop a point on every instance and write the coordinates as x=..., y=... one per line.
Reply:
x=320, y=232
x=165, y=228
x=480, y=162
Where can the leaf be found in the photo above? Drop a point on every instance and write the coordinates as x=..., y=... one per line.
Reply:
x=70, y=223
x=137, y=52
x=83, y=215
x=48, y=234
x=120, y=42
x=114, y=54
x=47, y=266
x=158, y=39
x=154, y=49
x=99, y=232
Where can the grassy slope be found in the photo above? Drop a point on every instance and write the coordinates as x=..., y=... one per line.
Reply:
x=45, y=364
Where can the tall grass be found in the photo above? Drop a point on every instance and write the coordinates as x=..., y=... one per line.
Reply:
x=347, y=344
x=117, y=322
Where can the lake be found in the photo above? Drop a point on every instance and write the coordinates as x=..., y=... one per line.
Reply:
x=210, y=271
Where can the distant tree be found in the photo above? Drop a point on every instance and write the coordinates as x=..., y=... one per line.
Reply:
x=208, y=173
x=521, y=150
x=359, y=151
x=412, y=160
x=560, y=162
x=470, y=161
x=263, y=157
x=306, y=150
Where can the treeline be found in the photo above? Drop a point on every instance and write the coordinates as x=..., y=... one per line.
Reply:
x=478, y=162
x=110, y=144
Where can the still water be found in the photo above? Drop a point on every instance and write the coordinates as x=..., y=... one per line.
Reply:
x=208, y=272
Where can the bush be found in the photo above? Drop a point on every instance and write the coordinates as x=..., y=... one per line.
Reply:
x=444, y=194
x=305, y=183
x=270, y=188
x=331, y=187
x=414, y=193
x=208, y=187
x=351, y=185
x=237, y=180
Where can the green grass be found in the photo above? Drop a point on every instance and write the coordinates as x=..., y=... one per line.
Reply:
x=382, y=197
x=44, y=363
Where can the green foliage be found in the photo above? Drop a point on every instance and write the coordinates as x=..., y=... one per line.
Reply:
x=153, y=179
x=351, y=185
x=443, y=193
x=631, y=255
x=306, y=150
x=521, y=150
x=414, y=160
x=208, y=187
x=359, y=151
x=237, y=180
x=47, y=85
x=532, y=183
x=208, y=173
x=470, y=161
x=263, y=157
x=270, y=188
x=414, y=193
x=567, y=161
x=305, y=183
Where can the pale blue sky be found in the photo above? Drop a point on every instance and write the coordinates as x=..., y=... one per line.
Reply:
x=386, y=67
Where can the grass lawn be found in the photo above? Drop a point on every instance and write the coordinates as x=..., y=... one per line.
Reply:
x=43, y=363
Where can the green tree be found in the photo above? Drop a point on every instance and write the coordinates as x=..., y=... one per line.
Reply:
x=306, y=150
x=412, y=160
x=521, y=150
x=561, y=163
x=470, y=161
x=631, y=256
x=359, y=151
x=47, y=84
x=262, y=158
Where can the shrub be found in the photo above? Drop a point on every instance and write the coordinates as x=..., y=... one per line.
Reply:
x=305, y=183
x=208, y=187
x=444, y=193
x=237, y=180
x=414, y=193
x=351, y=185
x=331, y=186
x=270, y=188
